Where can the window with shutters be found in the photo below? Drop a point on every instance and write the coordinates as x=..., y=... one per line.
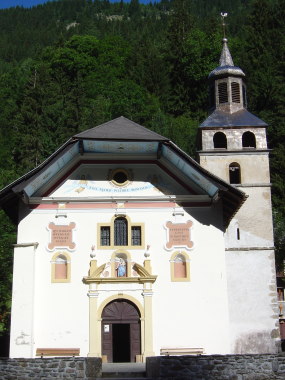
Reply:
x=223, y=92
x=235, y=92
x=121, y=232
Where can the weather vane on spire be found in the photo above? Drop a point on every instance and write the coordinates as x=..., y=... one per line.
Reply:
x=224, y=15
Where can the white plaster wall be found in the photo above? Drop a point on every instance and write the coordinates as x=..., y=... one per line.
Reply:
x=254, y=167
x=185, y=314
x=254, y=220
x=253, y=305
x=22, y=330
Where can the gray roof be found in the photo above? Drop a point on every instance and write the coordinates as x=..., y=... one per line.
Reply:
x=13, y=194
x=120, y=129
x=242, y=118
x=226, y=64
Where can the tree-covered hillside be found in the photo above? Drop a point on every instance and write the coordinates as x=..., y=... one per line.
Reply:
x=70, y=65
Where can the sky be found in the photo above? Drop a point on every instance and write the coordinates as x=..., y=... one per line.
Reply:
x=25, y=3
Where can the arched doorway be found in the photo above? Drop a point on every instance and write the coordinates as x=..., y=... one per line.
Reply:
x=121, y=331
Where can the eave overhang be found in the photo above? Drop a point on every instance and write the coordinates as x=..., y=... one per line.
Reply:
x=143, y=143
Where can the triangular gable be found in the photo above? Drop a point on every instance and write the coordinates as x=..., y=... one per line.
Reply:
x=128, y=145
x=121, y=129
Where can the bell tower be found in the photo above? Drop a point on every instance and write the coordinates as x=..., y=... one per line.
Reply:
x=233, y=146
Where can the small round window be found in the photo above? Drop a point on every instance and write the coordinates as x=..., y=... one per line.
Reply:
x=120, y=177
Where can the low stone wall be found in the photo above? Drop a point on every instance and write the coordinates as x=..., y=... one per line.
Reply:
x=50, y=368
x=217, y=367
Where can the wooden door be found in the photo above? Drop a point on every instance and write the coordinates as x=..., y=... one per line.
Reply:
x=135, y=340
x=125, y=338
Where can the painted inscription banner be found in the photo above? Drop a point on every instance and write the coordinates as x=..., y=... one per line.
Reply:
x=179, y=235
x=61, y=236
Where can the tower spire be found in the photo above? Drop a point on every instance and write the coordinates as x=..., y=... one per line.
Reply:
x=226, y=58
x=226, y=64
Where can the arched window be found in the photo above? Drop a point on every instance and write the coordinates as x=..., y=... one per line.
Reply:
x=223, y=92
x=60, y=270
x=235, y=92
x=220, y=140
x=121, y=231
x=234, y=173
x=248, y=140
x=180, y=268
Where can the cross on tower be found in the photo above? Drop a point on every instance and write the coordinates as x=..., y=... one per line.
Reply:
x=224, y=15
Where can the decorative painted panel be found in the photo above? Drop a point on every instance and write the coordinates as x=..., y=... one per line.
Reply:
x=61, y=236
x=179, y=235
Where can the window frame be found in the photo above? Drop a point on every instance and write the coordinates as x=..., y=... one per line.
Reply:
x=187, y=267
x=129, y=244
x=53, y=266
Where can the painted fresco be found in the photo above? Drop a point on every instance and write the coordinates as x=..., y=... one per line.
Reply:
x=142, y=180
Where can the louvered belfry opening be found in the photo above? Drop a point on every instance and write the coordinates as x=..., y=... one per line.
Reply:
x=121, y=231
x=223, y=92
x=235, y=92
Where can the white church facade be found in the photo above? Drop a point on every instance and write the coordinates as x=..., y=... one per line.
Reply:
x=129, y=248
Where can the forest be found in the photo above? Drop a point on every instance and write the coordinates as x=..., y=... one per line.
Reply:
x=69, y=65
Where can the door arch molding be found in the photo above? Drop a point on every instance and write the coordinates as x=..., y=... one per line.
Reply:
x=115, y=298
x=121, y=331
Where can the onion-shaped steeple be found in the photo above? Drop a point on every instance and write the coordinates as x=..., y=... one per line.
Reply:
x=227, y=88
x=226, y=66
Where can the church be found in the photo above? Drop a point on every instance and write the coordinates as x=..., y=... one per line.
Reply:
x=129, y=248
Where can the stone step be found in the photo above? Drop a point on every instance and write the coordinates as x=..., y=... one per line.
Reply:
x=124, y=375
x=123, y=378
x=123, y=371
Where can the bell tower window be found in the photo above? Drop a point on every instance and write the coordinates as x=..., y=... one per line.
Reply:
x=223, y=92
x=248, y=140
x=235, y=92
x=234, y=173
x=220, y=140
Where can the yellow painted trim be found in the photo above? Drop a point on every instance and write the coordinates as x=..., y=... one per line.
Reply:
x=144, y=276
x=187, y=259
x=53, y=279
x=109, y=280
x=116, y=297
x=130, y=225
